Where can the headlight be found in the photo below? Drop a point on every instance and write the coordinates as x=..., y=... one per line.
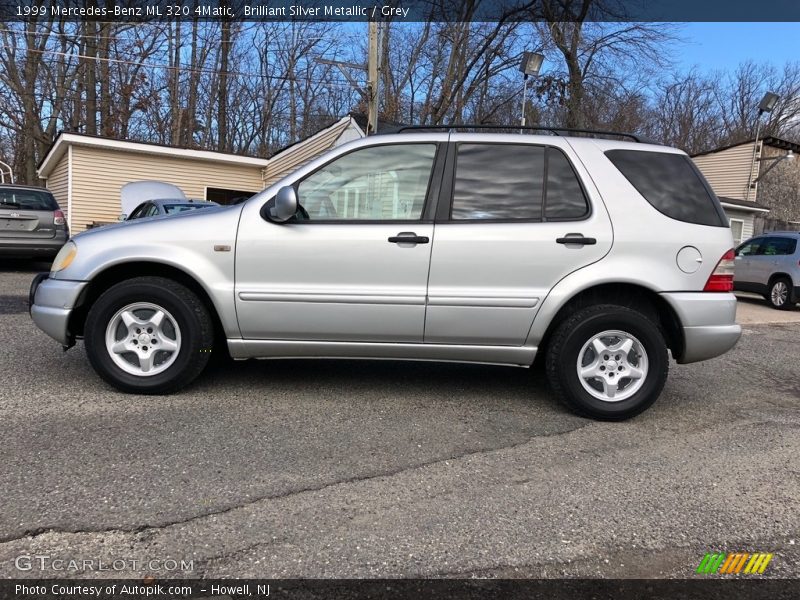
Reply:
x=64, y=257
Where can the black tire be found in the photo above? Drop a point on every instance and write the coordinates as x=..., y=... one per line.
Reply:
x=575, y=331
x=787, y=303
x=197, y=334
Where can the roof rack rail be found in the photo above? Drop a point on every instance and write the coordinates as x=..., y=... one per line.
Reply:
x=552, y=130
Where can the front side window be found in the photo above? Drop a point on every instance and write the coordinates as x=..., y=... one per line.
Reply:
x=380, y=183
x=750, y=248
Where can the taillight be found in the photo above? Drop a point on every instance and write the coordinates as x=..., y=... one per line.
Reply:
x=58, y=218
x=721, y=280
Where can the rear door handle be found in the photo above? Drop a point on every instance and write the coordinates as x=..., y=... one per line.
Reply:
x=409, y=237
x=576, y=238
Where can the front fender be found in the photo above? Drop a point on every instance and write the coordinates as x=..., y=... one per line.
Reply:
x=201, y=246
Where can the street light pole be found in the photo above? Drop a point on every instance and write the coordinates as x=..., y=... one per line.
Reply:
x=524, y=100
x=768, y=102
x=529, y=65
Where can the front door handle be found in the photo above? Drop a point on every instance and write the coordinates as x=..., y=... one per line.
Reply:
x=409, y=237
x=577, y=239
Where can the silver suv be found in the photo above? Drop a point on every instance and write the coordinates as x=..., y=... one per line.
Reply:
x=601, y=255
x=770, y=265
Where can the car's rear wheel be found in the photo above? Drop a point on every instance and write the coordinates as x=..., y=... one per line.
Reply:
x=780, y=294
x=607, y=362
x=148, y=335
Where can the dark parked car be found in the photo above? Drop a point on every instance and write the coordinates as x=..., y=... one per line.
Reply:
x=770, y=265
x=31, y=223
x=155, y=208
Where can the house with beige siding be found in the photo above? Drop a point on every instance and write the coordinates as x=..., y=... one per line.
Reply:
x=747, y=190
x=85, y=173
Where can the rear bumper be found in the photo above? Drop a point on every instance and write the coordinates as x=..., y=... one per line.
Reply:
x=32, y=247
x=708, y=321
x=51, y=304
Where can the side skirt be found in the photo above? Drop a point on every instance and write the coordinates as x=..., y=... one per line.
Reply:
x=515, y=356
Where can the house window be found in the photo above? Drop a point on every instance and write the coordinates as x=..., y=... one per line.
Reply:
x=737, y=226
x=224, y=196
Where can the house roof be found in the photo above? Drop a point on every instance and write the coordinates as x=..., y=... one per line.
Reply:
x=301, y=152
x=769, y=140
x=66, y=139
x=383, y=126
x=745, y=205
x=297, y=151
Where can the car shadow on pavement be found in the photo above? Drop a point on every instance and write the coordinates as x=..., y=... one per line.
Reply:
x=513, y=387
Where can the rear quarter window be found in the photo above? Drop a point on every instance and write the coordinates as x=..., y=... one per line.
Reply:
x=671, y=184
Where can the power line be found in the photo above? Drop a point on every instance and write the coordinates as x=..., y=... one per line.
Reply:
x=63, y=34
x=177, y=68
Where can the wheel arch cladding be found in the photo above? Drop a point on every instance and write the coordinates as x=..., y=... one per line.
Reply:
x=129, y=270
x=629, y=295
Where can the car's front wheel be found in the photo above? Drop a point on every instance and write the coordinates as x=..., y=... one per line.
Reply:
x=780, y=293
x=607, y=362
x=148, y=335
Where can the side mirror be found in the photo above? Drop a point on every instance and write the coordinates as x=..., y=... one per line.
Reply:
x=285, y=205
x=123, y=217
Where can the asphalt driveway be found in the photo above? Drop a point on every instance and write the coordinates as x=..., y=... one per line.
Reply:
x=355, y=469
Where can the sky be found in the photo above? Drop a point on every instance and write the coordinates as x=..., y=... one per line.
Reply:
x=722, y=46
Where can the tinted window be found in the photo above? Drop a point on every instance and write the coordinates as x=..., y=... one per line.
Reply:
x=498, y=181
x=670, y=183
x=778, y=246
x=171, y=209
x=139, y=211
x=750, y=248
x=27, y=199
x=377, y=183
x=565, y=198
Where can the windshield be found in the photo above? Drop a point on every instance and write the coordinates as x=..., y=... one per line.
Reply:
x=26, y=199
x=171, y=209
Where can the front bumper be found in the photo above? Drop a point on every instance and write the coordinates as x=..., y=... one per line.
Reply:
x=708, y=320
x=51, y=303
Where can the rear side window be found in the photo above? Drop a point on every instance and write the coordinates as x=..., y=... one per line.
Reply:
x=498, y=181
x=565, y=198
x=515, y=181
x=670, y=183
x=27, y=199
x=778, y=246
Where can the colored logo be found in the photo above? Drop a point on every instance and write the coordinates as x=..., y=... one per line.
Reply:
x=734, y=563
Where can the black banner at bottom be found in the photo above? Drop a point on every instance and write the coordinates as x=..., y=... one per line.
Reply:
x=397, y=589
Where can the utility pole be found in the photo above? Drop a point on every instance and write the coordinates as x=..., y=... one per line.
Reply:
x=370, y=92
x=372, y=79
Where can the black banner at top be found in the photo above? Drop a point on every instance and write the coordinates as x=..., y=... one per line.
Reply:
x=404, y=10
